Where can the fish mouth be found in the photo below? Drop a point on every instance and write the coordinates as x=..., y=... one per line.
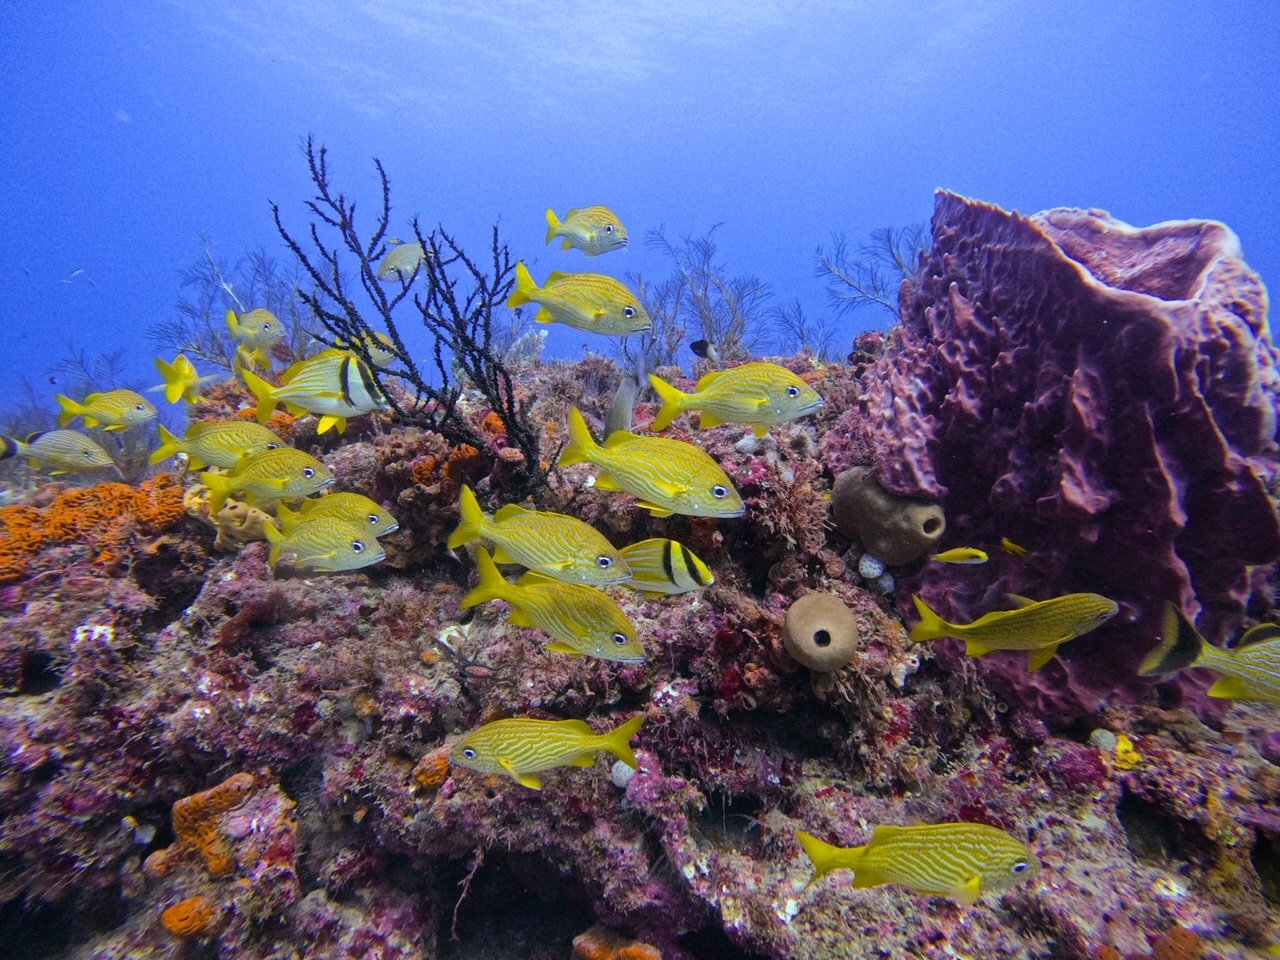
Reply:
x=817, y=404
x=638, y=659
x=391, y=529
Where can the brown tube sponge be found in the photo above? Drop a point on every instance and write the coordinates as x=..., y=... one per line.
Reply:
x=819, y=632
x=894, y=529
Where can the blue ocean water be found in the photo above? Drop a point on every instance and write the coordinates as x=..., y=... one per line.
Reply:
x=135, y=129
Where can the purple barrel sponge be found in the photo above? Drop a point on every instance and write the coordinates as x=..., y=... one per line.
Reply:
x=1105, y=396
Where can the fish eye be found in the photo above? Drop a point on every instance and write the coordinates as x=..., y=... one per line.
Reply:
x=373, y=519
x=628, y=312
x=604, y=562
x=619, y=638
x=1020, y=866
x=608, y=228
x=719, y=491
x=309, y=472
x=357, y=546
x=138, y=407
x=266, y=326
x=273, y=446
x=793, y=391
x=469, y=753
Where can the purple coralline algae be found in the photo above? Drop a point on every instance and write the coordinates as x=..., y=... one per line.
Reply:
x=208, y=757
x=1102, y=395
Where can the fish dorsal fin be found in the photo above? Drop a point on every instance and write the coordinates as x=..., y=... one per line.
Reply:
x=1019, y=601
x=36, y=435
x=887, y=833
x=1038, y=658
x=557, y=275
x=617, y=438
x=969, y=893
x=509, y=511
x=1260, y=633
x=533, y=578
x=577, y=726
x=197, y=429
x=91, y=397
x=571, y=213
x=708, y=379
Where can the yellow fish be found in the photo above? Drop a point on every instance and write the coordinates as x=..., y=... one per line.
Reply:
x=216, y=443
x=112, y=410
x=560, y=546
x=256, y=332
x=1249, y=671
x=958, y=860
x=585, y=301
x=1039, y=627
x=401, y=262
x=522, y=747
x=593, y=230
x=354, y=508
x=759, y=395
x=582, y=620
x=284, y=474
x=333, y=384
x=65, y=450
x=325, y=544
x=660, y=566
x=382, y=351
x=666, y=476
x=1012, y=548
x=961, y=555
x=181, y=379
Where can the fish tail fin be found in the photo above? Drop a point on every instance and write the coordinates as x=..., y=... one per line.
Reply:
x=581, y=445
x=169, y=445
x=553, y=225
x=618, y=742
x=491, y=586
x=219, y=488
x=276, y=539
x=70, y=410
x=826, y=857
x=173, y=387
x=525, y=287
x=672, y=402
x=262, y=391
x=931, y=626
x=1180, y=645
x=472, y=519
x=9, y=447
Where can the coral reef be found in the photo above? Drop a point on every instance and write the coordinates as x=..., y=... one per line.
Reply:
x=1105, y=396
x=895, y=530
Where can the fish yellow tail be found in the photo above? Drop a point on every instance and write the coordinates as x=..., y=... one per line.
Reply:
x=1179, y=648
x=472, y=519
x=219, y=488
x=826, y=856
x=169, y=445
x=931, y=626
x=8, y=448
x=173, y=386
x=553, y=225
x=672, y=402
x=618, y=742
x=525, y=287
x=276, y=539
x=70, y=410
x=492, y=586
x=581, y=446
x=263, y=391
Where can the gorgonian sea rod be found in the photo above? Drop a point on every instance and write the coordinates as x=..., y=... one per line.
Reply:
x=1103, y=395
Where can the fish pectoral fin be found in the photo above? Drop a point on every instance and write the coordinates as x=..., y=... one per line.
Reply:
x=655, y=509
x=524, y=779
x=557, y=646
x=110, y=428
x=1038, y=658
x=970, y=892
x=1229, y=688
x=974, y=648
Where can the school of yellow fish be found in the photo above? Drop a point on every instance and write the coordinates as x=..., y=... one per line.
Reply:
x=569, y=564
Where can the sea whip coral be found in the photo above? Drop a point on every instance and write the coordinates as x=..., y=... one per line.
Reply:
x=1103, y=395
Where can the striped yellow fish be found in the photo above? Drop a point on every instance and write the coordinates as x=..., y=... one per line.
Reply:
x=67, y=451
x=961, y=555
x=560, y=546
x=381, y=349
x=660, y=566
x=256, y=332
x=958, y=860
x=401, y=262
x=522, y=747
x=111, y=410
x=593, y=230
x=666, y=476
x=181, y=379
x=283, y=474
x=333, y=384
x=1039, y=627
x=759, y=395
x=583, y=621
x=217, y=443
x=585, y=301
x=354, y=508
x=1248, y=671
x=325, y=544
